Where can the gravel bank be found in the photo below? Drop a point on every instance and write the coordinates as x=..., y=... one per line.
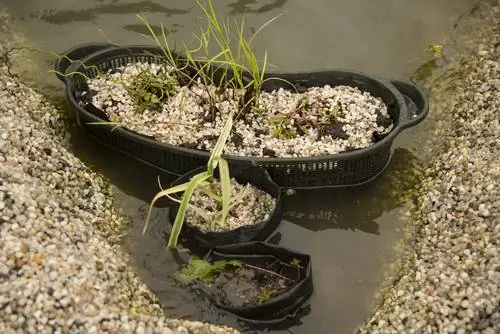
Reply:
x=59, y=270
x=450, y=281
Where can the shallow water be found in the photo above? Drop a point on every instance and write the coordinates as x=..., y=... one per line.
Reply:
x=350, y=233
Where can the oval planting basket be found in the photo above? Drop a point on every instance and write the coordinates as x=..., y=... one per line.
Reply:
x=257, y=177
x=406, y=105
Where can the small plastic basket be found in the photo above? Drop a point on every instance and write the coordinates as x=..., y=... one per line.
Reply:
x=406, y=104
x=286, y=308
x=257, y=177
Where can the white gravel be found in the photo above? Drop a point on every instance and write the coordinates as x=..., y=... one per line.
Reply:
x=450, y=280
x=185, y=118
x=249, y=206
x=59, y=269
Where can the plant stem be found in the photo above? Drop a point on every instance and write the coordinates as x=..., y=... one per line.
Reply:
x=267, y=271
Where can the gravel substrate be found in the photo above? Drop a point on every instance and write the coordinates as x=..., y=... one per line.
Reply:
x=450, y=280
x=249, y=206
x=322, y=120
x=59, y=270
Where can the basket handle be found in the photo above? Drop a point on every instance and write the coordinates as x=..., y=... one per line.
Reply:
x=417, y=105
x=81, y=51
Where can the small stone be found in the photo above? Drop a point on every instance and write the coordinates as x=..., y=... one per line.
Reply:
x=464, y=303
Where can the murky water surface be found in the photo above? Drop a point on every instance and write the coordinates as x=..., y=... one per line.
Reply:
x=349, y=233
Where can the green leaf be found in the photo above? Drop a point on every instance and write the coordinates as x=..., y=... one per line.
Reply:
x=225, y=182
x=155, y=99
x=435, y=49
x=219, y=145
x=181, y=213
x=161, y=194
x=198, y=269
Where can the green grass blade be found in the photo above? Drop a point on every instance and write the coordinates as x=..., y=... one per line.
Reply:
x=181, y=213
x=263, y=69
x=219, y=145
x=159, y=195
x=262, y=27
x=225, y=184
x=292, y=86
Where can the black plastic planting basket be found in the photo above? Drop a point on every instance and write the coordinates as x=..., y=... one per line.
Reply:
x=406, y=105
x=285, y=308
x=256, y=176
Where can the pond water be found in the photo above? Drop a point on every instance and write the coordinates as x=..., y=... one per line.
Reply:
x=350, y=233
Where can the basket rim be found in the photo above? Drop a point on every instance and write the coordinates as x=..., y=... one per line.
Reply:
x=147, y=50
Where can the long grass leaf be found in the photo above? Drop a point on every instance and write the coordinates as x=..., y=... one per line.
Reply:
x=159, y=195
x=219, y=145
x=181, y=212
x=225, y=184
x=262, y=27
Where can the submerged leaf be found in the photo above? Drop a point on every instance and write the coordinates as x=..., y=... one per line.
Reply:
x=201, y=270
x=435, y=49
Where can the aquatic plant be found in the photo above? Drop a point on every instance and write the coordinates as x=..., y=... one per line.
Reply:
x=261, y=281
x=264, y=296
x=203, y=271
x=200, y=180
x=148, y=90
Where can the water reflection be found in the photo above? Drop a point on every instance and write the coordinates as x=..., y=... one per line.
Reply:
x=355, y=209
x=158, y=31
x=242, y=6
x=92, y=14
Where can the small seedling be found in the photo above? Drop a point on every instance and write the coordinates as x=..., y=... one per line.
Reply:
x=281, y=127
x=330, y=116
x=201, y=180
x=264, y=296
x=296, y=263
x=149, y=90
